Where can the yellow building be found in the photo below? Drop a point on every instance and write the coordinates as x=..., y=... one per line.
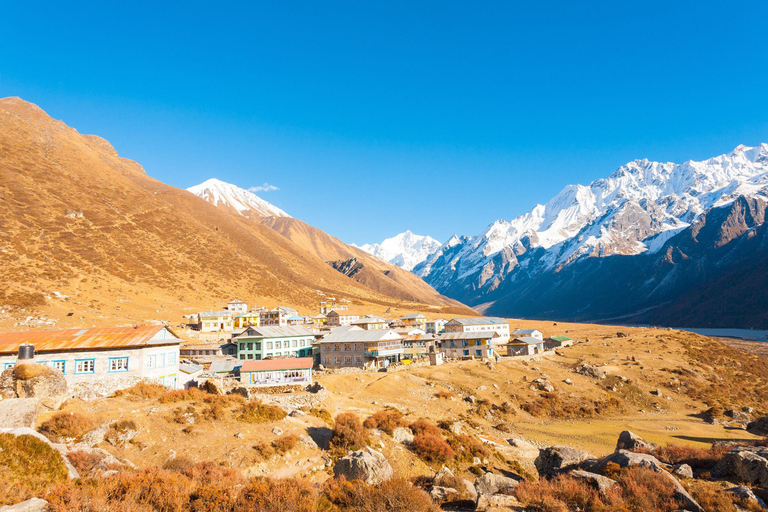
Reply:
x=245, y=319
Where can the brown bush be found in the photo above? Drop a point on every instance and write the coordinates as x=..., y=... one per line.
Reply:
x=323, y=414
x=89, y=464
x=30, y=371
x=267, y=495
x=27, y=466
x=257, y=412
x=213, y=411
x=553, y=405
x=181, y=395
x=422, y=426
x=66, y=425
x=348, y=434
x=445, y=394
x=387, y=420
x=285, y=443
x=395, y=495
x=698, y=458
x=645, y=489
x=432, y=448
x=564, y=493
x=467, y=447
x=142, y=390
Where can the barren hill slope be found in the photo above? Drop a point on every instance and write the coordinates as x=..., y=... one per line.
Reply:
x=86, y=232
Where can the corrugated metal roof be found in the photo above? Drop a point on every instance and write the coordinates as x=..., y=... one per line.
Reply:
x=190, y=368
x=292, y=363
x=369, y=320
x=83, y=339
x=356, y=334
x=209, y=314
x=560, y=338
x=525, y=340
x=412, y=317
x=273, y=331
x=525, y=331
x=224, y=365
x=469, y=335
x=480, y=321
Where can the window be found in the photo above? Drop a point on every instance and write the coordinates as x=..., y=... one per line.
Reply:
x=278, y=344
x=250, y=346
x=151, y=361
x=478, y=352
x=269, y=345
x=118, y=364
x=348, y=359
x=9, y=365
x=85, y=365
x=465, y=352
x=242, y=356
x=170, y=358
x=160, y=360
x=59, y=365
x=293, y=344
x=258, y=345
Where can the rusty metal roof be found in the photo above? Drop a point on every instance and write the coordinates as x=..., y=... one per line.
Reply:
x=84, y=339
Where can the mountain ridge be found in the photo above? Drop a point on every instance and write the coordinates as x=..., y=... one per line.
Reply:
x=406, y=249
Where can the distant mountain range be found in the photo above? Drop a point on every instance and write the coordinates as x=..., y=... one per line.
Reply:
x=405, y=250
x=640, y=245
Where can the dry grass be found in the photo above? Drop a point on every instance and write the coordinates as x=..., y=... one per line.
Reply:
x=396, y=495
x=700, y=459
x=348, y=434
x=565, y=407
x=66, y=425
x=27, y=467
x=323, y=414
x=30, y=371
x=387, y=420
x=257, y=412
x=142, y=391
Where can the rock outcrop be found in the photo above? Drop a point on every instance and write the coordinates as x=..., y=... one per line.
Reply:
x=491, y=483
x=39, y=381
x=599, y=482
x=748, y=464
x=19, y=412
x=759, y=426
x=30, y=505
x=557, y=459
x=367, y=465
x=630, y=441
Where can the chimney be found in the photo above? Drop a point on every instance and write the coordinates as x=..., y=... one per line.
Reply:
x=26, y=354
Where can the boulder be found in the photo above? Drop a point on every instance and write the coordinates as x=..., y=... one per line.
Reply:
x=31, y=505
x=599, y=482
x=591, y=371
x=120, y=436
x=39, y=381
x=25, y=431
x=19, y=412
x=759, y=427
x=402, y=435
x=496, y=502
x=748, y=464
x=445, y=478
x=491, y=483
x=542, y=385
x=94, y=437
x=682, y=471
x=315, y=387
x=630, y=441
x=556, y=459
x=443, y=494
x=367, y=465
x=745, y=493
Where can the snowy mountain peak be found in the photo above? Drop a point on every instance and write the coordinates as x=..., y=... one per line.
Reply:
x=405, y=250
x=236, y=199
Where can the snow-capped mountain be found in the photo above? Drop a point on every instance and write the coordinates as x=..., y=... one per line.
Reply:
x=636, y=210
x=405, y=250
x=244, y=202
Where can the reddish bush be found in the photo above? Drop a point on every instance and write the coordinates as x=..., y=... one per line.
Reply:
x=285, y=443
x=396, y=495
x=256, y=412
x=468, y=447
x=432, y=448
x=423, y=426
x=267, y=495
x=66, y=425
x=387, y=420
x=348, y=434
x=697, y=458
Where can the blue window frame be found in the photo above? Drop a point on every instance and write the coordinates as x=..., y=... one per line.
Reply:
x=151, y=361
x=84, y=366
x=9, y=365
x=118, y=364
x=59, y=365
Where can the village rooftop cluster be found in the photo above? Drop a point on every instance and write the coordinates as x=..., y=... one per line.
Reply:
x=262, y=347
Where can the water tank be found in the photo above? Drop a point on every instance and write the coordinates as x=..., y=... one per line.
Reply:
x=26, y=353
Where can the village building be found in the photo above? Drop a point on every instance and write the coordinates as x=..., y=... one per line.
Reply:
x=101, y=360
x=277, y=317
x=355, y=347
x=262, y=342
x=480, y=325
x=469, y=345
x=410, y=331
x=525, y=346
x=244, y=320
x=237, y=306
x=435, y=326
x=418, y=345
x=416, y=320
x=296, y=320
x=370, y=323
x=318, y=321
x=215, y=321
x=188, y=374
x=557, y=342
x=225, y=367
x=207, y=351
x=330, y=304
x=341, y=318
x=528, y=333
x=295, y=371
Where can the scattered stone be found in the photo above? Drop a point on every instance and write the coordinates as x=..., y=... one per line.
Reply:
x=542, y=385
x=443, y=494
x=307, y=441
x=445, y=478
x=94, y=437
x=31, y=505
x=744, y=493
x=591, y=371
x=456, y=428
x=496, y=502
x=120, y=437
x=748, y=464
x=491, y=483
x=482, y=388
x=682, y=471
x=239, y=435
x=297, y=413
x=758, y=427
x=19, y=412
x=556, y=459
x=367, y=465
x=495, y=386
x=402, y=435
x=315, y=387
x=599, y=482
x=569, y=382
x=471, y=399
x=277, y=431
x=630, y=441
x=656, y=392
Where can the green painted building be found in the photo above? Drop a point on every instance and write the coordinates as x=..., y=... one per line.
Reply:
x=261, y=342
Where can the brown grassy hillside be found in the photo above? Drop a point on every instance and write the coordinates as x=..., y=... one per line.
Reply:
x=87, y=232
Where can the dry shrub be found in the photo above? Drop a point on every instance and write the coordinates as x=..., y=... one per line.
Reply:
x=285, y=443
x=395, y=495
x=213, y=411
x=267, y=495
x=214, y=497
x=323, y=414
x=432, y=448
x=30, y=371
x=265, y=451
x=66, y=425
x=181, y=395
x=207, y=473
x=711, y=497
x=467, y=447
x=257, y=412
x=700, y=459
x=27, y=466
x=553, y=405
x=142, y=390
x=422, y=426
x=646, y=490
x=348, y=434
x=445, y=394
x=387, y=420
x=89, y=464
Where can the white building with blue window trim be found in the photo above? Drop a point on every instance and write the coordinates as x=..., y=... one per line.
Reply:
x=99, y=361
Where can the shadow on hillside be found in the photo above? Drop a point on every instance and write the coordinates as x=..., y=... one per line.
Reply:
x=320, y=435
x=713, y=439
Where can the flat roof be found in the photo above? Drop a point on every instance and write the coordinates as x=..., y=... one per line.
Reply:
x=93, y=338
x=527, y=340
x=264, y=365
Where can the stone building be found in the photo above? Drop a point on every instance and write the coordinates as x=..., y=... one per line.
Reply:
x=480, y=325
x=355, y=347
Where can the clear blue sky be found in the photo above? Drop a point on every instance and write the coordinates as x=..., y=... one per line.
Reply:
x=373, y=118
